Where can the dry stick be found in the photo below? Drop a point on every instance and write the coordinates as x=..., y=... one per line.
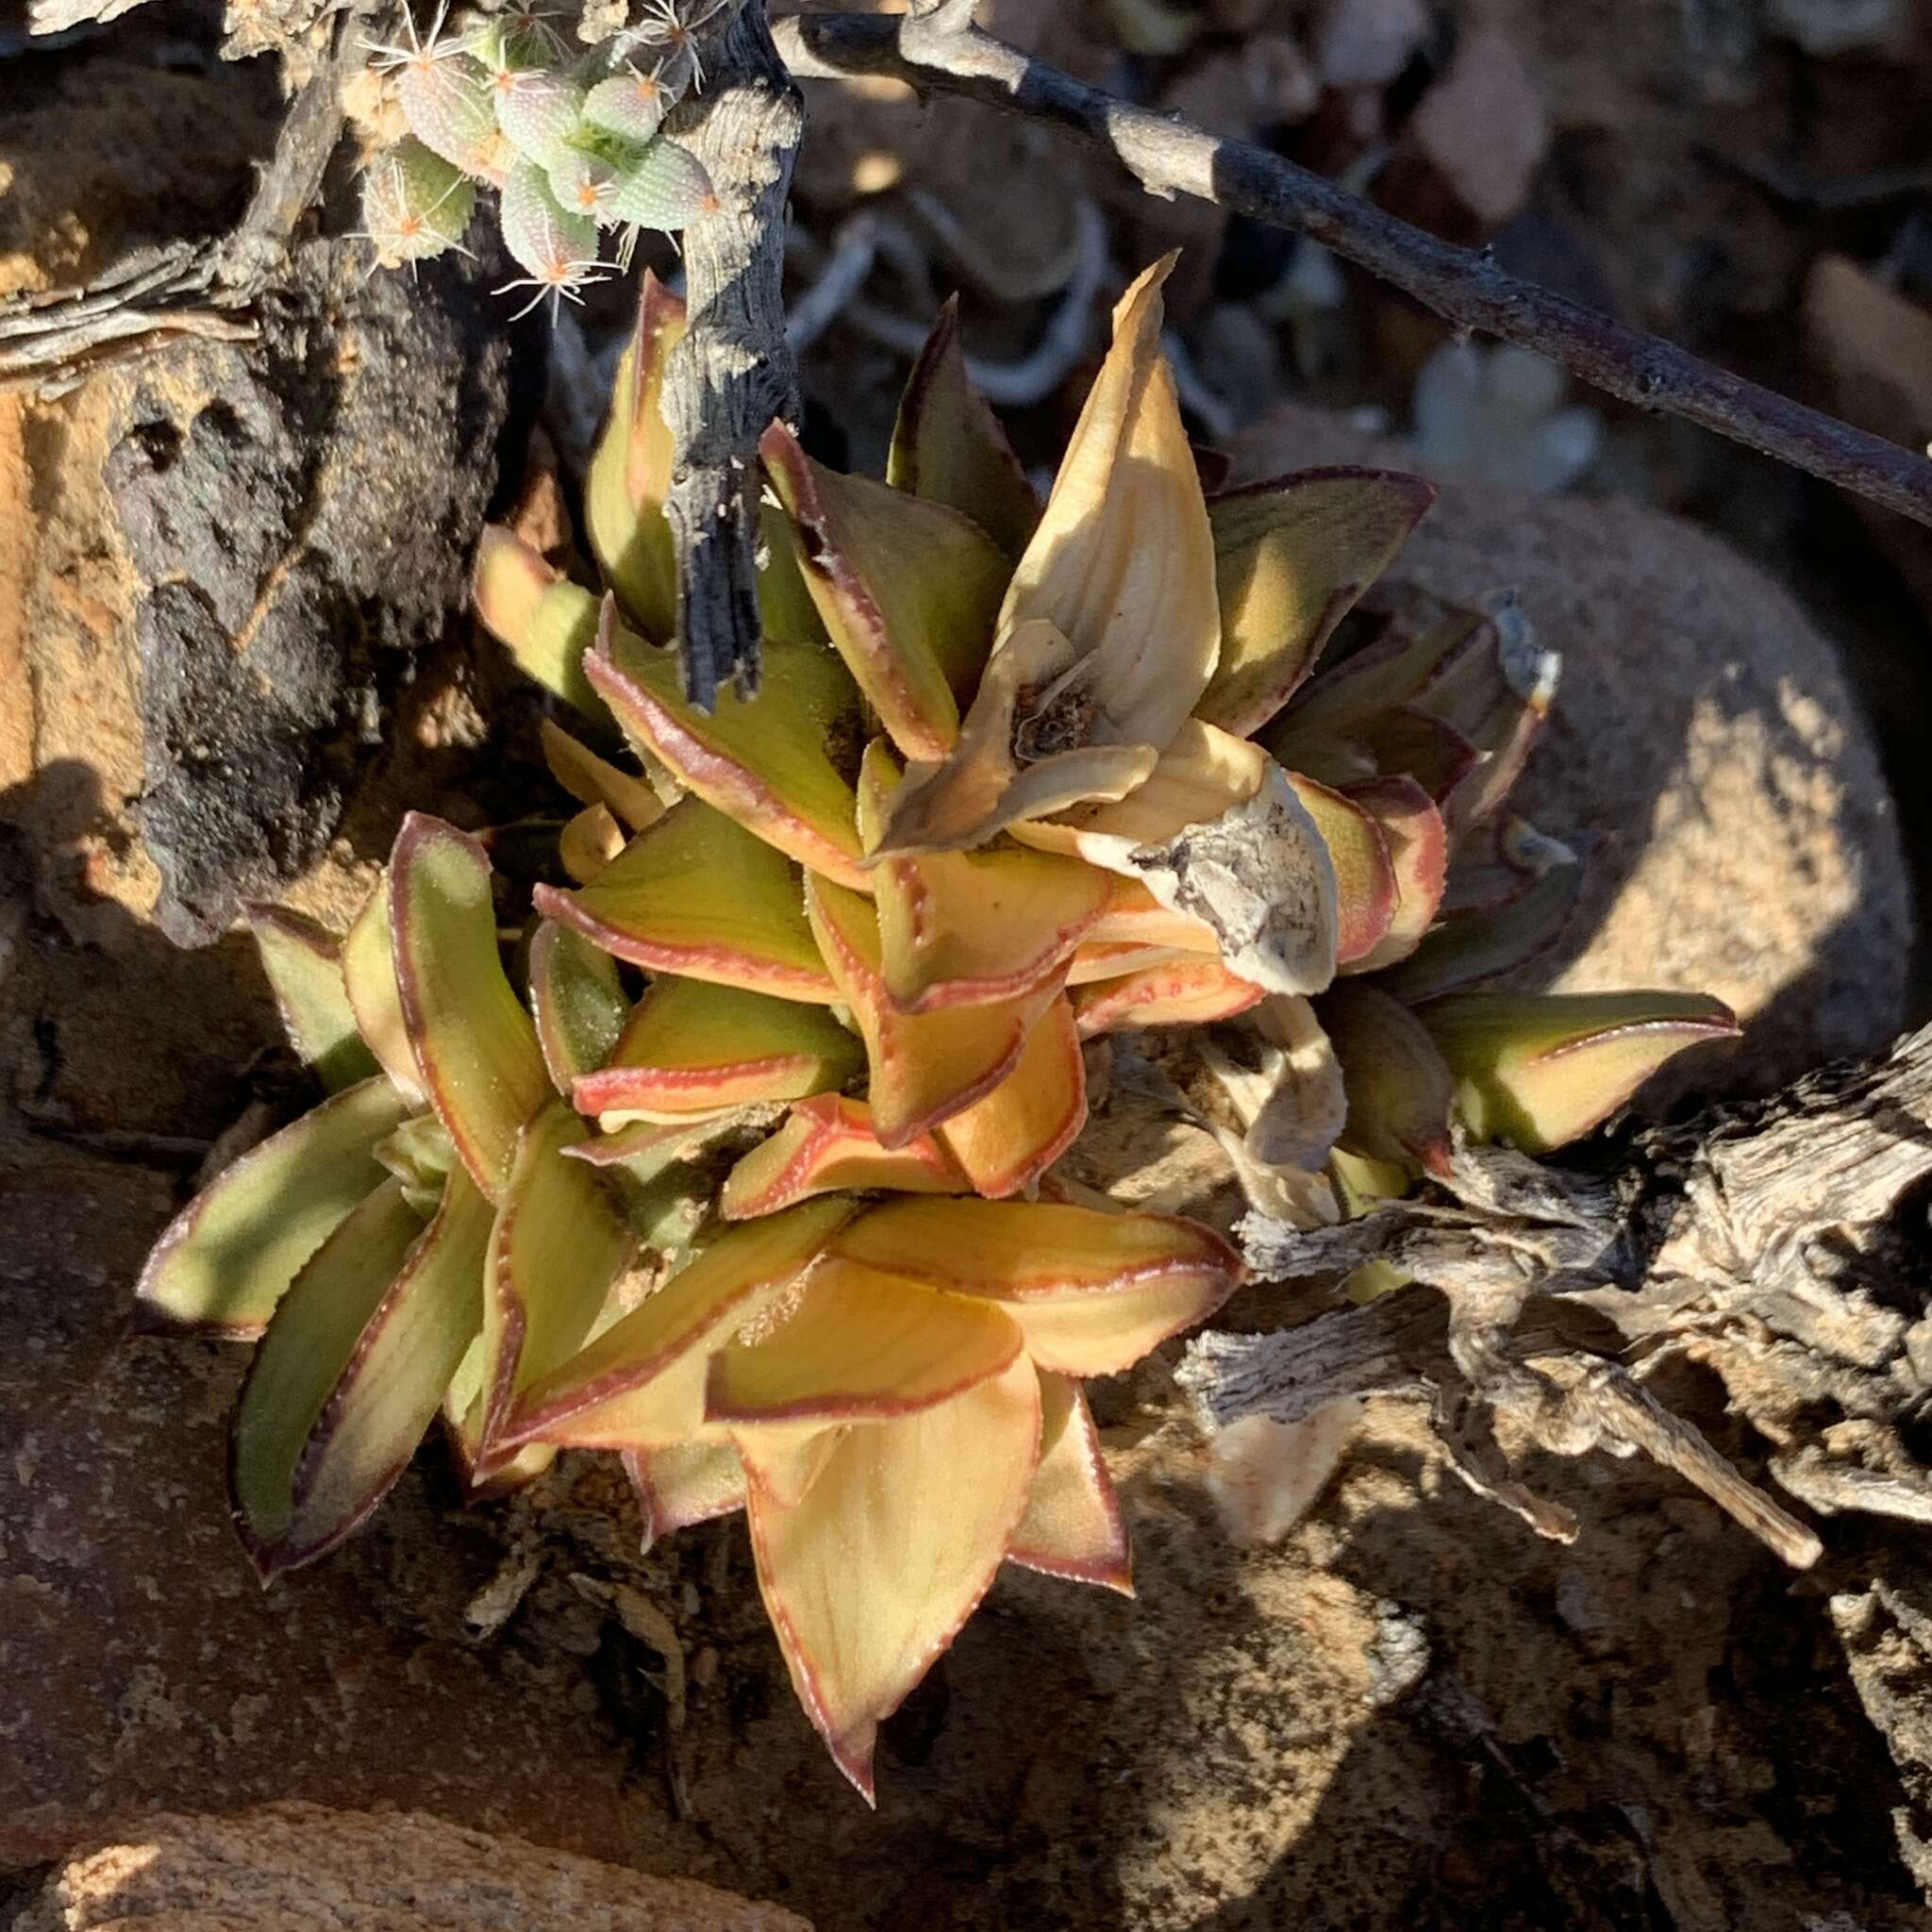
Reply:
x=939, y=51
x=733, y=372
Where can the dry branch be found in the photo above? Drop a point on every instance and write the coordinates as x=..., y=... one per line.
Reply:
x=939, y=51
x=1765, y=1241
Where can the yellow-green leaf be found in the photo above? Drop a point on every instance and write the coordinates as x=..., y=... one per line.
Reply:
x=1399, y=1090
x=766, y=761
x=473, y=1041
x=1073, y=1528
x=690, y=1047
x=593, y=780
x=229, y=1256
x=1291, y=558
x=948, y=445
x=697, y=895
x=369, y=979
x=907, y=588
x=546, y=622
x=580, y=1005
x=1543, y=1069
x=304, y=964
x=686, y=1483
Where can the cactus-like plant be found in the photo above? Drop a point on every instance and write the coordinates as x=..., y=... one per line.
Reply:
x=570, y=141
x=753, y=1179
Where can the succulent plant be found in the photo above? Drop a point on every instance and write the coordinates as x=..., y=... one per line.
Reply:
x=754, y=1178
x=571, y=142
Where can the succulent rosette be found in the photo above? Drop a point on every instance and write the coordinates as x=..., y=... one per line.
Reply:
x=754, y=1172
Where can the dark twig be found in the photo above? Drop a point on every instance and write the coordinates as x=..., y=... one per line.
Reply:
x=938, y=51
x=733, y=372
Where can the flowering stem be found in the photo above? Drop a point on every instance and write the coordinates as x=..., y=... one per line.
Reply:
x=935, y=51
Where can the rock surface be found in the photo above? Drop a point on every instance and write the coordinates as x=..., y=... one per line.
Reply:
x=301, y=1868
x=1703, y=727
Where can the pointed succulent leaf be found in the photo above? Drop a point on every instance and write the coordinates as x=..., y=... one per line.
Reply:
x=1408, y=741
x=870, y=1575
x=1093, y=1292
x=1007, y=1140
x=545, y=622
x=1497, y=691
x=641, y=1383
x=1291, y=558
x=229, y=1256
x=663, y=187
x=588, y=843
x=420, y=1156
x=304, y=964
x=580, y=1006
x=859, y=1346
x=1073, y=1528
x=697, y=895
x=472, y=1039
x=765, y=762
x=948, y=445
x=1123, y=561
x=964, y=928
x=925, y=1067
x=1474, y=946
x=1219, y=834
x=908, y=590
x=451, y=109
x=384, y=1399
x=1418, y=846
x=486, y=1470
x=828, y=1146
x=557, y=1246
x=1417, y=636
x=1184, y=990
x=1009, y=764
x=369, y=981
x=630, y=475
x=1400, y=1090
x=1539, y=1069
x=1366, y=889
x=311, y=1340
x=684, y=1484
x=593, y=780
x=692, y=1047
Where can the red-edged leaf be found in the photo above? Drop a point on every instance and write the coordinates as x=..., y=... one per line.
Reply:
x=1006, y=1141
x=1072, y=1526
x=304, y=964
x=827, y=1146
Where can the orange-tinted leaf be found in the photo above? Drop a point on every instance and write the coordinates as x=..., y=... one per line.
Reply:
x=546, y=622
x=1093, y=963
x=699, y=896
x=683, y=1484
x=579, y=1004
x=1543, y=1069
x=1006, y=1141
x=229, y=1256
x=588, y=843
x=593, y=780
x=641, y=1384
x=925, y=1067
x=1399, y=1090
x=1092, y=1291
x=1133, y=916
x=907, y=588
x=1186, y=989
x=557, y=1246
x=948, y=445
x=1366, y=890
x=1418, y=846
x=859, y=1346
x=1072, y=1526
x=870, y=1575
x=764, y=761
x=1291, y=557
x=369, y=980
x=690, y=1047
x=472, y=1039
x=966, y=928
x=304, y=964
x=825, y=1146
x=629, y=474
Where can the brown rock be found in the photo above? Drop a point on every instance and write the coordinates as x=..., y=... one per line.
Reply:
x=1483, y=127
x=1704, y=729
x=290, y=1868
